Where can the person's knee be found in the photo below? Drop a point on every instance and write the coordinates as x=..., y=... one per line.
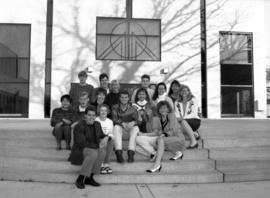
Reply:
x=117, y=130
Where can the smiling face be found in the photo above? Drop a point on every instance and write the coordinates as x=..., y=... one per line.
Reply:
x=65, y=103
x=115, y=87
x=104, y=82
x=124, y=99
x=184, y=92
x=82, y=79
x=161, y=90
x=163, y=110
x=175, y=88
x=90, y=117
x=103, y=112
x=145, y=82
x=141, y=95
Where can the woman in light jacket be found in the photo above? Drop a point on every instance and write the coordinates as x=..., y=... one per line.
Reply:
x=166, y=135
x=187, y=113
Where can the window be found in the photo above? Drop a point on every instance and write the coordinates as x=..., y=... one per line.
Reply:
x=14, y=69
x=236, y=60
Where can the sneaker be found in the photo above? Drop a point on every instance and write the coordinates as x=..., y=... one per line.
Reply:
x=103, y=170
x=109, y=170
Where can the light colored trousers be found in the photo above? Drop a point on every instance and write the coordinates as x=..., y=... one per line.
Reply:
x=119, y=133
x=147, y=143
x=93, y=159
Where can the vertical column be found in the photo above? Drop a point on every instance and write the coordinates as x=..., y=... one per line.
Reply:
x=203, y=58
x=129, y=9
x=48, y=57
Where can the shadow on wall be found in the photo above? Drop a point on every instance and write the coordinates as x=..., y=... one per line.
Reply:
x=178, y=34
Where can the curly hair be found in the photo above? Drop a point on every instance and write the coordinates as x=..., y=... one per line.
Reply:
x=164, y=103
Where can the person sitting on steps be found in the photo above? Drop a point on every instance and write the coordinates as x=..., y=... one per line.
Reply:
x=186, y=110
x=90, y=141
x=107, y=127
x=125, y=118
x=61, y=120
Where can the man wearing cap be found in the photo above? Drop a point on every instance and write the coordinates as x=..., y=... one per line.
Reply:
x=77, y=88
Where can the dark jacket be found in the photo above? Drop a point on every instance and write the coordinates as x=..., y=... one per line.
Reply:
x=81, y=140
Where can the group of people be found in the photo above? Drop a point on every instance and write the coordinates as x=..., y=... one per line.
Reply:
x=97, y=120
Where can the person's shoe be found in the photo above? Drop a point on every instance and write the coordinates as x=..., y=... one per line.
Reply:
x=130, y=156
x=108, y=170
x=119, y=156
x=178, y=155
x=103, y=170
x=80, y=182
x=90, y=181
x=157, y=169
x=193, y=146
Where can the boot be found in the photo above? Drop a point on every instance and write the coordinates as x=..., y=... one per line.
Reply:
x=130, y=156
x=119, y=156
x=80, y=182
x=90, y=181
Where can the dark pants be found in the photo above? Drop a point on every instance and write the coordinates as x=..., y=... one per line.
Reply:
x=194, y=123
x=109, y=149
x=63, y=132
x=92, y=161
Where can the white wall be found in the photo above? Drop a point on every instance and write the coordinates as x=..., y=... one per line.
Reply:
x=243, y=16
x=32, y=12
x=74, y=43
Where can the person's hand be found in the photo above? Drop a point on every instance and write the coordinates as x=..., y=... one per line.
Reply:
x=59, y=124
x=149, y=112
x=125, y=126
x=180, y=119
x=103, y=142
x=66, y=121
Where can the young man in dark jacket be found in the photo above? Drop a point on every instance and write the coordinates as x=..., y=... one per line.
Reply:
x=89, y=140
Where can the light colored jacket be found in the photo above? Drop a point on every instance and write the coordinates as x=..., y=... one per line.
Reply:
x=190, y=112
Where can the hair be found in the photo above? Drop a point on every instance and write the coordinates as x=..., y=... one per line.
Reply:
x=172, y=83
x=104, y=105
x=100, y=90
x=145, y=76
x=82, y=73
x=84, y=93
x=155, y=95
x=190, y=95
x=91, y=108
x=114, y=82
x=124, y=92
x=142, y=90
x=164, y=103
x=103, y=75
x=67, y=97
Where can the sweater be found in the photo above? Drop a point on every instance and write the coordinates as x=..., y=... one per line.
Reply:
x=58, y=114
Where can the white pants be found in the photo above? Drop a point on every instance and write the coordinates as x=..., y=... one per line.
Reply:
x=147, y=143
x=119, y=132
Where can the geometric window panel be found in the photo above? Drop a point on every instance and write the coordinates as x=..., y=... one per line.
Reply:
x=128, y=39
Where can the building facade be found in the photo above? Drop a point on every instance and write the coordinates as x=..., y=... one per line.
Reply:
x=220, y=48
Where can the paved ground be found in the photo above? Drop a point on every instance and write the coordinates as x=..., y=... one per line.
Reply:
x=12, y=189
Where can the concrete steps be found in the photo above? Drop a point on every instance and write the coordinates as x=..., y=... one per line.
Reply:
x=51, y=153
x=231, y=150
x=241, y=153
x=209, y=176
